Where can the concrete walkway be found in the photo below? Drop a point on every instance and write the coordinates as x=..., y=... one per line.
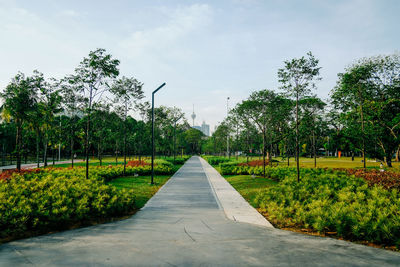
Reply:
x=183, y=225
x=234, y=205
x=34, y=165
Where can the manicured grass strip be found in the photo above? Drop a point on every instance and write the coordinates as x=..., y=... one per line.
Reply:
x=322, y=162
x=248, y=186
x=142, y=189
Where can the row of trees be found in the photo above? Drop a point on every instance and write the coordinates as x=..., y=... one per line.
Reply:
x=88, y=112
x=361, y=117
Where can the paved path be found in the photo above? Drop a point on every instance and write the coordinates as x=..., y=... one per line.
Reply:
x=182, y=225
x=234, y=205
x=34, y=165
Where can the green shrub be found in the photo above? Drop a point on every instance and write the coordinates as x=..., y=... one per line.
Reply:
x=213, y=160
x=178, y=159
x=328, y=201
x=50, y=201
x=55, y=198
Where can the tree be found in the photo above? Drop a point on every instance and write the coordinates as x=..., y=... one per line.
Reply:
x=298, y=78
x=370, y=88
x=72, y=104
x=194, y=139
x=48, y=105
x=20, y=98
x=267, y=110
x=312, y=108
x=219, y=137
x=91, y=79
x=127, y=92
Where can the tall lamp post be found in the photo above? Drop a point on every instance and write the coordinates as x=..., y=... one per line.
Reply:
x=227, y=135
x=152, y=132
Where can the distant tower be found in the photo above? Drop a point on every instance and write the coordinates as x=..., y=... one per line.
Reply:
x=193, y=115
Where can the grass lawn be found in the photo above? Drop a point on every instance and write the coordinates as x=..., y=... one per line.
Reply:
x=95, y=162
x=105, y=162
x=329, y=162
x=343, y=162
x=248, y=187
x=141, y=185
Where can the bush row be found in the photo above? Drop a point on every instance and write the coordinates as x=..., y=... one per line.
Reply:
x=277, y=173
x=178, y=160
x=213, y=160
x=334, y=202
x=50, y=202
x=54, y=198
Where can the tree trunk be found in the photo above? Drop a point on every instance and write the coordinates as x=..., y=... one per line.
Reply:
x=72, y=150
x=297, y=137
x=362, y=131
x=264, y=141
x=18, y=145
x=398, y=154
x=87, y=144
x=3, y=160
x=116, y=153
x=287, y=154
x=388, y=158
x=314, y=150
x=99, y=154
x=45, y=151
x=37, y=149
x=124, y=149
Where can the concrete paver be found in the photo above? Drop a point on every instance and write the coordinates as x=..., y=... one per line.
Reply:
x=183, y=225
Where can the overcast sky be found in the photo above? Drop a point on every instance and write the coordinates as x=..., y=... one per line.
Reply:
x=204, y=50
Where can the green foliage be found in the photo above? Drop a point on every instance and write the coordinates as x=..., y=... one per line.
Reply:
x=55, y=200
x=367, y=94
x=328, y=201
x=216, y=160
x=142, y=189
x=274, y=172
x=178, y=160
x=58, y=198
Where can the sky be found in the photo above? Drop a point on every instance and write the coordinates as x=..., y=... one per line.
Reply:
x=205, y=51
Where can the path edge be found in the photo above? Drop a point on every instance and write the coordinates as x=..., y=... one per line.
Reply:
x=235, y=207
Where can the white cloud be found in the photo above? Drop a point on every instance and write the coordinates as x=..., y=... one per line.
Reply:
x=165, y=42
x=70, y=13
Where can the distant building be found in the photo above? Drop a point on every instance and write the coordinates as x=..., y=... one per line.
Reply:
x=205, y=128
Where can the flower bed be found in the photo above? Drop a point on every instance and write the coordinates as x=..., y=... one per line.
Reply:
x=254, y=163
x=136, y=163
x=5, y=175
x=387, y=179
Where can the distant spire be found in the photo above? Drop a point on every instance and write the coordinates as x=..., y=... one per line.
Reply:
x=193, y=115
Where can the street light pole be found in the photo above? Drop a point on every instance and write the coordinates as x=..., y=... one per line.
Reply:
x=227, y=135
x=152, y=132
